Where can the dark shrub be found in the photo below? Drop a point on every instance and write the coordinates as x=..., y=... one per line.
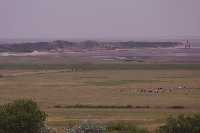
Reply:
x=57, y=106
x=177, y=107
x=181, y=124
x=21, y=116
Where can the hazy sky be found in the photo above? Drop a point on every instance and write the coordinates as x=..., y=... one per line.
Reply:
x=99, y=18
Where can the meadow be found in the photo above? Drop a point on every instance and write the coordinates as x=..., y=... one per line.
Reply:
x=104, y=92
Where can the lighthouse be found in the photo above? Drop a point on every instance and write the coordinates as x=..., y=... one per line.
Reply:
x=187, y=44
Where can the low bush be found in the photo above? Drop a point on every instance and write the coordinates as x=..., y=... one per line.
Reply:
x=181, y=124
x=118, y=127
x=122, y=127
x=87, y=127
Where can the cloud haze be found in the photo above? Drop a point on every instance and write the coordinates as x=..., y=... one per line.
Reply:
x=98, y=18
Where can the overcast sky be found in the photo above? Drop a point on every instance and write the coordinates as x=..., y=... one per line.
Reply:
x=99, y=18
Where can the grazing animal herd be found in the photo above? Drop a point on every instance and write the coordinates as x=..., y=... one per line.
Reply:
x=154, y=90
x=157, y=91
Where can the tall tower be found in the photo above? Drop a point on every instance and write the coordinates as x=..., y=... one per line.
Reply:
x=187, y=44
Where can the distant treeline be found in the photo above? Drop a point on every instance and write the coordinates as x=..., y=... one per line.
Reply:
x=60, y=44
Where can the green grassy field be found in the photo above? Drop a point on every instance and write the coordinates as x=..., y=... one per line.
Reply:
x=104, y=85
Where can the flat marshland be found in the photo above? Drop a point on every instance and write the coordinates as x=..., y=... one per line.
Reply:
x=100, y=93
